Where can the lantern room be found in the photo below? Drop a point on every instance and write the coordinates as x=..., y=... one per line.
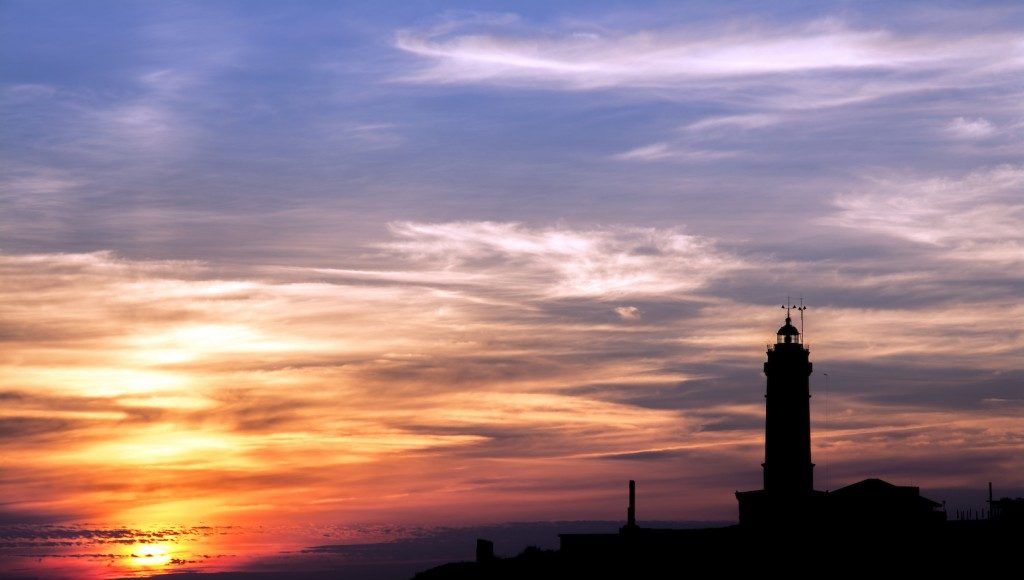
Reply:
x=788, y=334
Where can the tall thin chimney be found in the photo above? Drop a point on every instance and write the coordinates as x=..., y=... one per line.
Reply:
x=990, y=504
x=631, y=512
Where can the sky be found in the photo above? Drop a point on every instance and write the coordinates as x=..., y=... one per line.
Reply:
x=341, y=270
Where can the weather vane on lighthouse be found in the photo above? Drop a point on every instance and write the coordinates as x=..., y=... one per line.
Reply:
x=789, y=306
x=801, y=308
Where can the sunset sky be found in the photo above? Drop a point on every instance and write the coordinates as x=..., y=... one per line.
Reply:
x=332, y=266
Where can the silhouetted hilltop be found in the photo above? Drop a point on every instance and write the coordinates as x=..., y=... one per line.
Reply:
x=982, y=548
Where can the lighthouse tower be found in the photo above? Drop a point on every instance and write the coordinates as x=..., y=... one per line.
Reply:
x=788, y=500
x=788, y=497
x=788, y=470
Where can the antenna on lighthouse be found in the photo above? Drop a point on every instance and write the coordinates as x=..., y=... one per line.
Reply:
x=801, y=308
x=827, y=474
x=787, y=306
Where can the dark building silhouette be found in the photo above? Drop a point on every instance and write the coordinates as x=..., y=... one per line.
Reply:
x=484, y=550
x=872, y=526
x=789, y=498
x=1007, y=510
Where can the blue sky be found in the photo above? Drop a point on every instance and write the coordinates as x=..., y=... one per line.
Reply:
x=502, y=238
x=283, y=117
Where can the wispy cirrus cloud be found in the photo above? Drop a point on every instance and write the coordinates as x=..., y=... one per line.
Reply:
x=849, y=58
x=702, y=141
x=965, y=128
x=597, y=61
x=976, y=217
x=603, y=262
x=814, y=77
x=733, y=122
x=672, y=152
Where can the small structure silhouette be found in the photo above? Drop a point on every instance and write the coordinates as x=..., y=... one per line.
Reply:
x=484, y=551
x=631, y=510
x=871, y=527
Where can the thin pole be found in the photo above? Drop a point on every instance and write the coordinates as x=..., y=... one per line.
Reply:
x=990, y=500
x=631, y=512
x=828, y=482
x=803, y=336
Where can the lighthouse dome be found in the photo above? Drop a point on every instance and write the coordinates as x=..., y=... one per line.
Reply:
x=788, y=333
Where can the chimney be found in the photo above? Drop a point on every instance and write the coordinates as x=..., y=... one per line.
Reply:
x=631, y=512
x=990, y=504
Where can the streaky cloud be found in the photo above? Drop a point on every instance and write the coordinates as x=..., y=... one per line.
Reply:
x=851, y=64
x=975, y=217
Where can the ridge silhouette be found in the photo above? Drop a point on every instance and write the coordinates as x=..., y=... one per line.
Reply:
x=868, y=527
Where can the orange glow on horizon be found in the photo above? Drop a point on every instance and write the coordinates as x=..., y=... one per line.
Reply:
x=177, y=400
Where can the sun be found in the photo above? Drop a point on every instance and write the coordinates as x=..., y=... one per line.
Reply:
x=150, y=555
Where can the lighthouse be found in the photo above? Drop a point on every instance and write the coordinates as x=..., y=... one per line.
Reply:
x=787, y=466
x=787, y=496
